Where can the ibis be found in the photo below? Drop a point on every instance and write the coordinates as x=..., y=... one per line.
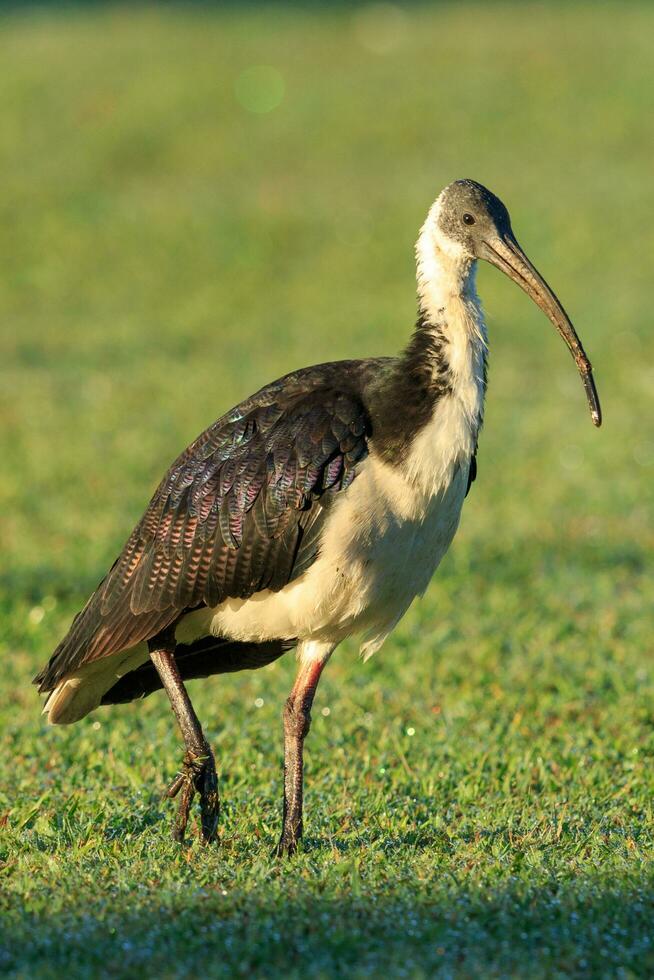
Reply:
x=316, y=509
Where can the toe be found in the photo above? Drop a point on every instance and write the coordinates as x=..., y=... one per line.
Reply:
x=210, y=804
x=285, y=849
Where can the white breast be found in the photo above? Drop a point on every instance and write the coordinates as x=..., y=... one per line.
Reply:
x=383, y=540
x=382, y=543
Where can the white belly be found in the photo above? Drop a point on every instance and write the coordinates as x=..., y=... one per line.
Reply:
x=382, y=543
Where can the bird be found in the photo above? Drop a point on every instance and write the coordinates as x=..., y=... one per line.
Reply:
x=317, y=509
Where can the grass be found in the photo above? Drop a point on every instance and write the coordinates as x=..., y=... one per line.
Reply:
x=479, y=798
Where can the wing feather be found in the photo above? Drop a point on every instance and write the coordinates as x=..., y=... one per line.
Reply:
x=241, y=510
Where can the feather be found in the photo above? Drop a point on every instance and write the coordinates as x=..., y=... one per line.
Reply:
x=240, y=510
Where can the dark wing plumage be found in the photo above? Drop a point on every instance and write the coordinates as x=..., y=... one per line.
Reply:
x=202, y=658
x=472, y=472
x=239, y=511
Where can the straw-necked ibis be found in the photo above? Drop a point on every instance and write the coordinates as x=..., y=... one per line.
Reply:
x=316, y=509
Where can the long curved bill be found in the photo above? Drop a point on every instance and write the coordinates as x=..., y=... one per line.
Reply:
x=505, y=253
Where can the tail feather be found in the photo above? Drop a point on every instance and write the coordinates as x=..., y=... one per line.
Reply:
x=94, y=636
x=130, y=674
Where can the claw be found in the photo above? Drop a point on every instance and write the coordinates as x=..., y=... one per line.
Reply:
x=287, y=845
x=198, y=775
x=209, y=800
x=175, y=786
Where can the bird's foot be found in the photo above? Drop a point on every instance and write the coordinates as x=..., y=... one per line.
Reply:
x=288, y=842
x=198, y=775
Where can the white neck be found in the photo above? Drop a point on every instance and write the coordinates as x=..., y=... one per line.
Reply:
x=447, y=293
x=445, y=273
x=450, y=305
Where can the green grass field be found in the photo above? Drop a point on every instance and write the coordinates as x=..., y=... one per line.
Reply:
x=176, y=230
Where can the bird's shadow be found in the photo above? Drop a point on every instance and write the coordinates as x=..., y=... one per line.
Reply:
x=351, y=924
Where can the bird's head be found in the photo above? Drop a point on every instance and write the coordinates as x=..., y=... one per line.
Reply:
x=468, y=222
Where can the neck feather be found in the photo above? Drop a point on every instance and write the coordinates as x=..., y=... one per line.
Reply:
x=444, y=274
x=445, y=357
x=449, y=306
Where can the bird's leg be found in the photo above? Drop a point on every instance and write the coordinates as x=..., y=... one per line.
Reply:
x=297, y=721
x=198, y=774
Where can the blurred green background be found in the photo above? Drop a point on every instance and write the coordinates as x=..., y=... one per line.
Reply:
x=195, y=200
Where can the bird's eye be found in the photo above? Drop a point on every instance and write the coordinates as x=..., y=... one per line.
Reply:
x=468, y=219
